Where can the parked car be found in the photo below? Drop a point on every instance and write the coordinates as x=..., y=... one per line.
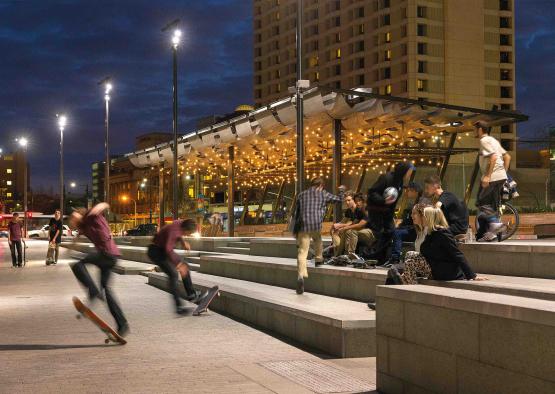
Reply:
x=43, y=232
x=3, y=234
x=143, y=230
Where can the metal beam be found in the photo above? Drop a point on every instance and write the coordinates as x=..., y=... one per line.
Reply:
x=161, y=188
x=278, y=201
x=230, y=192
x=445, y=163
x=361, y=180
x=473, y=177
x=299, y=186
x=336, y=171
x=246, y=202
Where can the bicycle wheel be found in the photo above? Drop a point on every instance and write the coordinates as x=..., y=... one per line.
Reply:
x=507, y=215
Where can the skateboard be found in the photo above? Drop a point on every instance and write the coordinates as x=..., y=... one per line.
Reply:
x=111, y=334
x=205, y=302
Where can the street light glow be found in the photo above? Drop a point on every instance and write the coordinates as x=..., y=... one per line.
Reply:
x=176, y=37
x=72, y=184
x=108, y=87
x=62, y=120
x=23, y=142
x=124, y=198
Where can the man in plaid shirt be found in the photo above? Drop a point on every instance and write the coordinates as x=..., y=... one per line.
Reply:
x=311, y=208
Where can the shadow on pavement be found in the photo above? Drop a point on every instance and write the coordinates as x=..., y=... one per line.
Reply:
x=4, y=348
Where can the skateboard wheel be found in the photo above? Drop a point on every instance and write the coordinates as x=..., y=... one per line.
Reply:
x=78, y=316
x=106, y=340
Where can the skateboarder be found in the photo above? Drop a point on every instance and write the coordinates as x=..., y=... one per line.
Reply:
x=162, y=254
x=94, y=226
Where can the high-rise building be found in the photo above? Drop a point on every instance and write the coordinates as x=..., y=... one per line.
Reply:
x=12, y=166
x=453, y=51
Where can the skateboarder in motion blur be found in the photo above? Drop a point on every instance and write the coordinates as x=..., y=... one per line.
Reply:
x=162, y=254
x=94, y=226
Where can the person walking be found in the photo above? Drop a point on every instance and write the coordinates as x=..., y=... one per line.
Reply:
x=55, y=232
x=15, y=236
x=494, y=162
x=311, y=207
x=94, y=226
x=161, y=252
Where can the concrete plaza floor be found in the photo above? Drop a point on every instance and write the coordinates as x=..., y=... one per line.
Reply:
x=44, y=348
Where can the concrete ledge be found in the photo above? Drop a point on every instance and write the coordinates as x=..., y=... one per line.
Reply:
x=338, y=327
x=277, y=246
x=124, y=267
x=447, y=340
x=342, y=282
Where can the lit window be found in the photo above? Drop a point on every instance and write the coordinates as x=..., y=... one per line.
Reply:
x=8, y=194
x=421, y=85
x=338, y=53
x=313, y=62
x=317, y=76
x=9, y=170
x=388, y=89
x=387, y=55
x=388, y=37
x=277, y=16
x=9, y=183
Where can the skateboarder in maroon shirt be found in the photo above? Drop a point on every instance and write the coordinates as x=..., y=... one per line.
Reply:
x=94, y=226
x=162, y=253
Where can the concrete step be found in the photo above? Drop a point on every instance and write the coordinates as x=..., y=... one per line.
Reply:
x=126, y=267
x=337, y=327
x=543, y=289
x=240, y=244
x=342, y=282
x=233, y=249
x=438, y=338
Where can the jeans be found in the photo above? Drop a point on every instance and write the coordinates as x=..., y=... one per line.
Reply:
x=105, y=263
x=158, y=256
x=488, y=202
x=400, y=235
x=16, y=246
x=303, y=244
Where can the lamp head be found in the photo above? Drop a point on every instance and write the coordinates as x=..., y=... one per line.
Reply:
x=62, y=121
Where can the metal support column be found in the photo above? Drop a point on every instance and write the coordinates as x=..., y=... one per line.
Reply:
x=473, y=177
x=161, y=213
x=299, y=186
x=277, y=203
x=230, y=192
x=445, y=163
x=336, y=171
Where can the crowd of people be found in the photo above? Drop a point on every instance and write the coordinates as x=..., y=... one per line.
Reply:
x=434, y=222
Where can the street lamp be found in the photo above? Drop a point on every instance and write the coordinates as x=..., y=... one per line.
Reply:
x=126, y=198
x=176, y=39
x=106, y=83
x=73, y=185
x=62, y=121
x=23, y=142
x=145, y=185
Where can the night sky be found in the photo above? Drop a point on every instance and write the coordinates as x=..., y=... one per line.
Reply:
x=55, y=52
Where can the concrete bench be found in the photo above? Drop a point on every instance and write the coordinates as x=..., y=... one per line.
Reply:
x=337, y=327
x=445, y=340
x=342, y=282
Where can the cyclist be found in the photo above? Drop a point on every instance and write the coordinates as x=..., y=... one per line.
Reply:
x=494, y=163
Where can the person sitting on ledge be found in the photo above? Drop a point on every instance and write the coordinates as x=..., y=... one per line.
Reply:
x=351, y=230
x=453, y=209
x=439, y=257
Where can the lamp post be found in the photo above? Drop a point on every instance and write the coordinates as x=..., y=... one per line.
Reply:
x=146, y=185
x=23, y=142
x=62, y=120
x=299, y=186
x=126, y=198
x=176, y=39
x=107, y=89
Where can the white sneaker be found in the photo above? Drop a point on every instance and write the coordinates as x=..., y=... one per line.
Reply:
x=497, y=228
x=488, y=237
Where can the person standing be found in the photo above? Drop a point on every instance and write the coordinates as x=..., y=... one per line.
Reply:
x=94, y=226
x=381, y=209
x=311, y=207
x=161, y=252
x=55, y=231
x=494, y=162
x=453, y=209
x=15, y=236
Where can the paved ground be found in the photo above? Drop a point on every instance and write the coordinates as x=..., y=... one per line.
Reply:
x=43, y=348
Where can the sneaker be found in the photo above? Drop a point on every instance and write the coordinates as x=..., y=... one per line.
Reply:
x=123, y=330
x=182, y=310
x=300, y=286
x=194, y=298
x=354, y=256
x=318, y=263
x=372, y=305
x=497, y=228
x=488, y=237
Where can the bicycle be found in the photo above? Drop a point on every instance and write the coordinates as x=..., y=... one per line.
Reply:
x=508, y=215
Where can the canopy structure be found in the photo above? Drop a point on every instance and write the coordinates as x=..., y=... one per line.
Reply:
x=376, y=131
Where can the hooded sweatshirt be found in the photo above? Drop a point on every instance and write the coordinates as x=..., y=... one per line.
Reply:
x=376, y=201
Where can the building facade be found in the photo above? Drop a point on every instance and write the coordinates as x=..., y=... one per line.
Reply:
x=12, y=166
x=452, y=51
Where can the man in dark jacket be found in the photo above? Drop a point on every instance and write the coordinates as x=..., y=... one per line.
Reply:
x=381, y=210
x=455, y=210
